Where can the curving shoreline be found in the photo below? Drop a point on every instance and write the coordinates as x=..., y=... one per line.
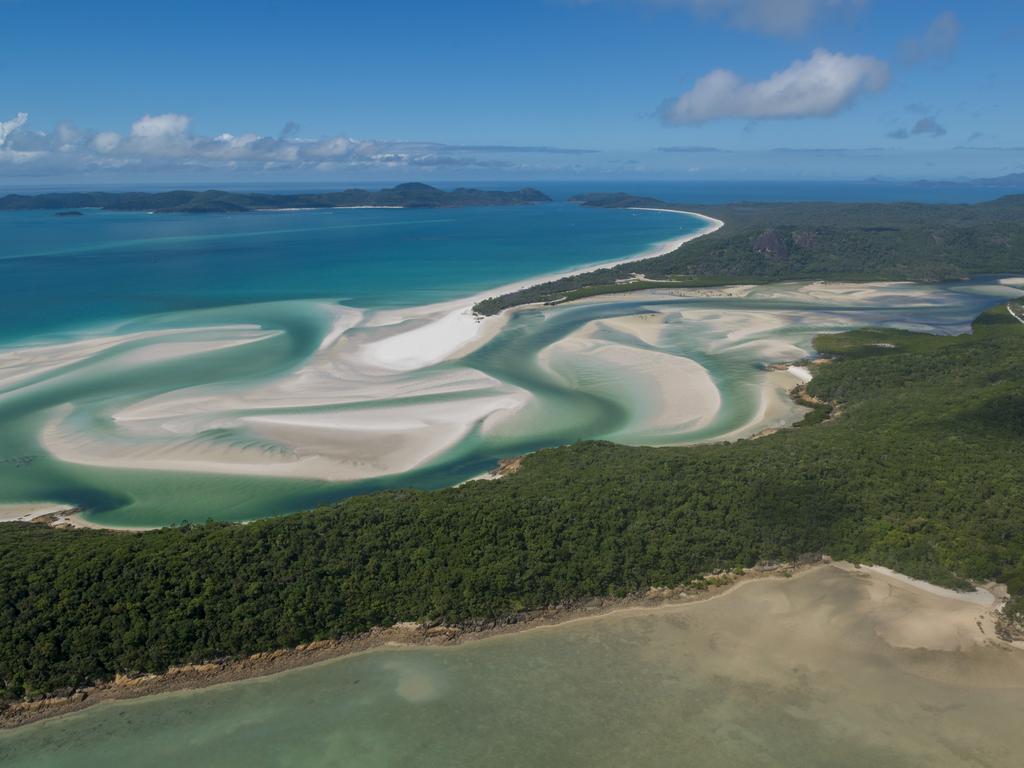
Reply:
x=455, y=320
x=400, y=635
x=959, y=626
x=407, y=339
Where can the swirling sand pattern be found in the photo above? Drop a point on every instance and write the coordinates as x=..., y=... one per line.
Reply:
x=311, y=400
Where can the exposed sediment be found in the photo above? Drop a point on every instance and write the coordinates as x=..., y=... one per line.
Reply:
x=974, y=619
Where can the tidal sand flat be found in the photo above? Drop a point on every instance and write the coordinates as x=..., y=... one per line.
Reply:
x=233, y=411
x=831, y=667
x=404, y=277
x=27, y=512
x=665, y=394
x=331, y=398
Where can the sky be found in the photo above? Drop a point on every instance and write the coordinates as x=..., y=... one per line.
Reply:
x=305, y=90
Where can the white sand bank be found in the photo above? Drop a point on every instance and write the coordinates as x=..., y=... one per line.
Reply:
x=21, y=363
x=452, y=329
x=25, y=513
x=440, y=338
x=802, y=373
x=337, y=446
x=664, y=393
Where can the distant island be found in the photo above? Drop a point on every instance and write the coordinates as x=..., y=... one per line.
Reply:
x=768, y=242
x=412, y=195
x=908, y=456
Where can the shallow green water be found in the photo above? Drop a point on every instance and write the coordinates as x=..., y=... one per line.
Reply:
x=63, y=275
x=84, y=399
x=779, y=673
x=162, y=295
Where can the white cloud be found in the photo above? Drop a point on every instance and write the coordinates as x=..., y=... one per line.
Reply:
x=165, y=142
x=106, y=142
x=148, y=128
x=66, y=135
x=822, y=85
x=773, y=17
x=10, y=126
x=161, y=134
x=938, y=41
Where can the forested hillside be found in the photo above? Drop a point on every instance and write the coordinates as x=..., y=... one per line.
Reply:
x=922, y=472
x=767, y=242
x=412, y=195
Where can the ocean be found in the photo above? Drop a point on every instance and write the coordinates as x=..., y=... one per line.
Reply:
x=163, y=368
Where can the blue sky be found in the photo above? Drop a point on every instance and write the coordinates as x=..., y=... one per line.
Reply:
x=305, y=90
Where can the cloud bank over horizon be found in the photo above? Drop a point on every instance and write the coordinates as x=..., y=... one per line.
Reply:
x=166, y=142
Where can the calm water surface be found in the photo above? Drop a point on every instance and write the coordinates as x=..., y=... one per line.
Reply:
x=777, y=673
x=194, y=277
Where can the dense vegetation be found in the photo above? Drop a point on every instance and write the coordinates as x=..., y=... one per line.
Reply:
x=922, y=472
x=766, y=242
x=412, y=195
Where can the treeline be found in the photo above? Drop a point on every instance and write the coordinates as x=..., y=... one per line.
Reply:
x=412, y=195
x=923, y=472
x=765, y=242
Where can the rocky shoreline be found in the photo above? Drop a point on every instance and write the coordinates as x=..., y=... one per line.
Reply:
x=218, y=671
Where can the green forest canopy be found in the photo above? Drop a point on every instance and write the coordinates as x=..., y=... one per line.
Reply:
x=768, y=242
x=411, y=195
x=923, y=472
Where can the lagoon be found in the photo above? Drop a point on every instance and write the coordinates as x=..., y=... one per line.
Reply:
x=159, y=368
x=829, y=668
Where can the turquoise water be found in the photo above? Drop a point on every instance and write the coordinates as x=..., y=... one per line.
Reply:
x=778, y=673
x=162, y=423
x=73, y=273
x=106, y=272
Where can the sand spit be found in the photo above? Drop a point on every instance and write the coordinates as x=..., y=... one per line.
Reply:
x=52, y=514
x=339, y=446
x=27, y=512
x=453, y=329
x=904, y=615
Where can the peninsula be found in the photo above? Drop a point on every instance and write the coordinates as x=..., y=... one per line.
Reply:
x=767, y=242
x=411, y=195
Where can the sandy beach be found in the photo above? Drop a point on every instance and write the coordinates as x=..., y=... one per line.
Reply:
x=389, y=391
x=22, y=363
x=453, y=329
x=384, y=392
x=392, y=360
x=27, y=512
